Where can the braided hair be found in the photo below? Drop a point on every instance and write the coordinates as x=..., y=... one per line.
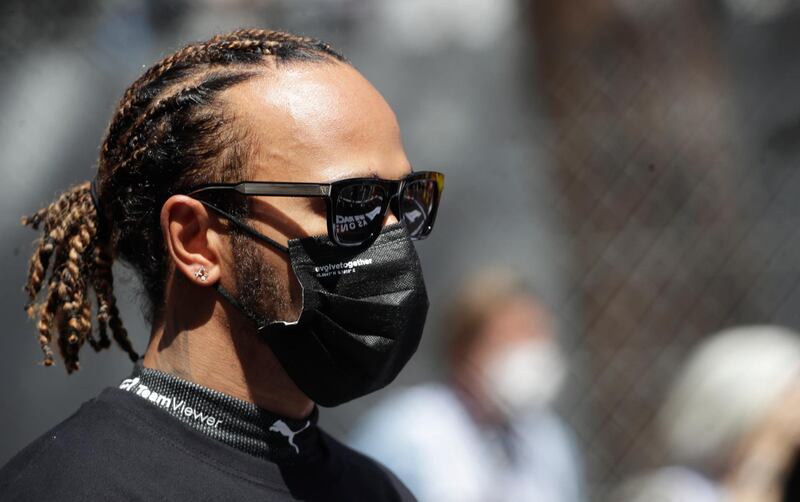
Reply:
x=167, y=134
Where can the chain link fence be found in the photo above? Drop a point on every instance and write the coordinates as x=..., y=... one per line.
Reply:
x=675, y=134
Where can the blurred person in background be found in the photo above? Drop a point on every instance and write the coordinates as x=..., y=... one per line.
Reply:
x=258, y=185
x=766, y=466
x=737, y=393
x=790, y=481
x=487, y=432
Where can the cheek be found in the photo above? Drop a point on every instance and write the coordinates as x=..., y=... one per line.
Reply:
x=318, y=215
x=284, y=218
x=311, y=214
x=283, y=296
x=289, y=287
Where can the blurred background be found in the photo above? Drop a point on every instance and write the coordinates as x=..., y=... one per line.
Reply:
x=634, y=160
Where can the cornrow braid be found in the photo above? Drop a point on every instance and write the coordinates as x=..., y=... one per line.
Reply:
x=169, y=132
x=241, y=46
x=187, y=96
x=102, y=284
x=67, y=252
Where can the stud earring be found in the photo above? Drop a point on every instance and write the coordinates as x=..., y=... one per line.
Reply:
x=201, y=273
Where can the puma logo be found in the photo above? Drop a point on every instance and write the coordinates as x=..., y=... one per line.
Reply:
x=280, y=427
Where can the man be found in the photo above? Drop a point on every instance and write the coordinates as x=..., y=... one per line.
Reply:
x=487, y=433
x=258, y=185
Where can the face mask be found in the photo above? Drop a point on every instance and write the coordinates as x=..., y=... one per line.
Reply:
x=524, y=376
x=362, y=318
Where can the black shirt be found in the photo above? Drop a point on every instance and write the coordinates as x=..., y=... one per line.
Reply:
x=125, y=445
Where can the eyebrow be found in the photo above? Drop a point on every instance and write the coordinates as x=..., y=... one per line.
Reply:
x=371, y=175
x=374, y=175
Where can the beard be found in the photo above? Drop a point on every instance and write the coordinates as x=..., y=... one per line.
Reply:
x=258, y=286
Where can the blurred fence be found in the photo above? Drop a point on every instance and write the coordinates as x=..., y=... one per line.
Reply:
x=676, y=129
x=635, y=160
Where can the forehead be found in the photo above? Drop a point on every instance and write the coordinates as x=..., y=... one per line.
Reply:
x=317, y=122
x=519, y=318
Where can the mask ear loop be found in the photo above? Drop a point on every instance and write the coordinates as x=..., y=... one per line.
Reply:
x=247, y=228
x=260, y=325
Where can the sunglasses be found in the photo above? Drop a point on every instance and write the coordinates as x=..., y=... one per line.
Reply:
x=356, y=207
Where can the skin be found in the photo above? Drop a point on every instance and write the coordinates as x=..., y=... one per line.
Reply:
x=518, y=320
x=310, y=122
x=759, y=467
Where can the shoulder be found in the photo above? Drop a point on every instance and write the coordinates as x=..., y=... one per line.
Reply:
x=59, y=457
x=546, y=431
x=118, y=446
x=384, y=484
x=414, y=405
x=343, y=474
x=425, y=435
x=412, y=418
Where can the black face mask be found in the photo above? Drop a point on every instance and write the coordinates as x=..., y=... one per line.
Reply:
x=362, y=318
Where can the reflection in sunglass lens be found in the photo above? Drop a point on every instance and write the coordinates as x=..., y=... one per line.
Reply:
x=358, y=212
x=416, y=205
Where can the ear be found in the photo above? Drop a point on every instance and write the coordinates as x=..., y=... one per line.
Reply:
x=192, y=242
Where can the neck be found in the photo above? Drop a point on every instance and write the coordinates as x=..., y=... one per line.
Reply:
x=223, y=352
x=465, y=380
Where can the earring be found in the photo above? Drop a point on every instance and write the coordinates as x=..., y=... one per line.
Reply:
x=201, y=273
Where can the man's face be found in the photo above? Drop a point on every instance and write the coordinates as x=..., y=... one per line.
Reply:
x=521, y=320
x=307, y=122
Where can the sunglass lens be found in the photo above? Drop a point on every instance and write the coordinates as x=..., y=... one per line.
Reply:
x=359, y=212
x=416, y=206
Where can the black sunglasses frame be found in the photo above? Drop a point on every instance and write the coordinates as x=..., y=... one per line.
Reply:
x=330, y=192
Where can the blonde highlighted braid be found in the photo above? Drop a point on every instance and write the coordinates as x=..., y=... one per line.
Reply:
x=73, y=255
x=169, y=132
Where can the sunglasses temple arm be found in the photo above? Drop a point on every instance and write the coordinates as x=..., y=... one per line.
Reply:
x=247, y=228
